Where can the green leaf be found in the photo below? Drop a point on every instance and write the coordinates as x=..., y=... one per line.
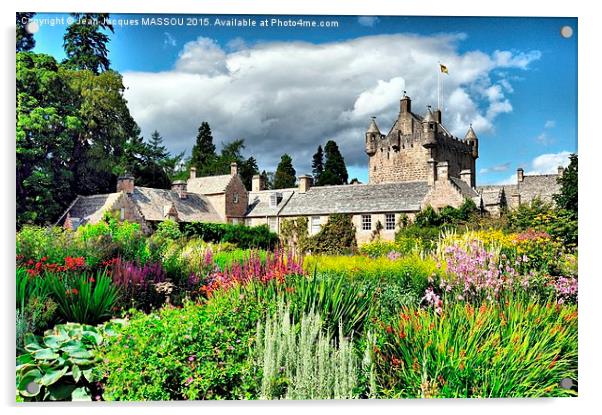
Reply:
x=55, y=341
x=81, y=394
x=76, y=373
x=60, y=392
x=53, y=376
x=45, y=354
x=25, y=379
x=89, y=375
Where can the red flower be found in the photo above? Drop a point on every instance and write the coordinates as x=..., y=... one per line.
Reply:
x=75, y=291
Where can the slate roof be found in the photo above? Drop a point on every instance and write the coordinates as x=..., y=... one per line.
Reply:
x=466, y=190
x=152, y=204
x=543, y=186
x=357, y=198
x=259, y=202
x=90, y=208
x=209, y=185
x=492, y=195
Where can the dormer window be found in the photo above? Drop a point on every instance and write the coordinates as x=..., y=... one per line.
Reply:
x=275, y=198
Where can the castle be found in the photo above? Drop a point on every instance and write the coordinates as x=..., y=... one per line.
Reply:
x=416, y=164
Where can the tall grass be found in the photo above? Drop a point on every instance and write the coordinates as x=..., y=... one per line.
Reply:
x=301, y=361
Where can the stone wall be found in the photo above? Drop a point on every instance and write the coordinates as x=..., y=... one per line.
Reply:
x=231, y=207
x=131, y=212
x=443, y=193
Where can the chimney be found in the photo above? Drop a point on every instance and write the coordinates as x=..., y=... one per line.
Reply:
x=304, y=183
x=179, y=186
x=257, y=184
x=193, y=172
x=233, y=168
x=520, y=174
x=405, y=104
x=442, y=170
x=437, y=115
x=466, y=176
x=432, y=173
x=560, y=171
x=125, y=184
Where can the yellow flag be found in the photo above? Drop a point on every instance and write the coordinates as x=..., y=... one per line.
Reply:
x=443, y=68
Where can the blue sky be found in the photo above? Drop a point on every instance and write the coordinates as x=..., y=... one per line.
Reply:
x=288, y=89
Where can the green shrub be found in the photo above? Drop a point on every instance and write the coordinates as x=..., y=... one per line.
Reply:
x=82, y=298
x=336, y=237
x=401, y=245
x=35, y=316
x=245, y=237
x=168, y=230
x=60, y=365
x=35, y=242
x=508, y=349
x=195, y=352
x=299, y=360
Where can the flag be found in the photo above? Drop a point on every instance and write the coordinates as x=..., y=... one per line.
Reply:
x=443, y=68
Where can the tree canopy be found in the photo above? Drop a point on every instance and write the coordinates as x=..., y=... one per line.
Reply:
x=568, y=196
x=25, y=40
x=285, y=175
x=317, y=166
x=85, y=43
x=335, y=170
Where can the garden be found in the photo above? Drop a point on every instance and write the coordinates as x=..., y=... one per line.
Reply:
x=481, y=308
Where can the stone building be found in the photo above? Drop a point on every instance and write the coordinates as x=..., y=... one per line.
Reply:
x=416, y=164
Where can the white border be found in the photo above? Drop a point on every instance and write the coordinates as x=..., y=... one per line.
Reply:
x=590, y=67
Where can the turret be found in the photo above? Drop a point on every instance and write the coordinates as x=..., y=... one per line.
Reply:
x=429, y=129
x=473, y=141
x=372, y=135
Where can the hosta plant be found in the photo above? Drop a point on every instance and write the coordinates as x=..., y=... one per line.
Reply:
x=60, y=366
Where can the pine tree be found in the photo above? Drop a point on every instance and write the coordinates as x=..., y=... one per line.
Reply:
x=568, y=196
x=285, y=175
x=335, y=171
x=203, y=152
x=85, y=44
x=317, y=166
x=268, y=179
x=25, y=40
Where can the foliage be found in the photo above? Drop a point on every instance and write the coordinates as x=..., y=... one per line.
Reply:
x=82, y=298
x=203, y=151
x=567, y=199
x=379, y=248
x=60, y=365
x=138, y=284
x=335, y=170
x=317, y=166
x=241, y=235
x=337, y=236
x=294, y=235
x=25, y=40
x=301, y=361
x=85, y=44
x=34, y=316
x=478, y=351
x=285, y=176
x=195, y=352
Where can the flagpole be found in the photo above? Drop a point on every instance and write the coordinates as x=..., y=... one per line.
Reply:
x=439, y=86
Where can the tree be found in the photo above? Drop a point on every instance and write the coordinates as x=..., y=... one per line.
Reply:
x=203, y=153
x=285, y=175
x=317, y=166
x=25, y=40
x=335, y=171
x=268, y=179
x=85, y=44
x=567, y=198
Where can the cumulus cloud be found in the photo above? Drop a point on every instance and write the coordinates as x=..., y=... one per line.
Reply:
x=291, y=96
x=368, y=21
x=543, y=164
x=169, y=40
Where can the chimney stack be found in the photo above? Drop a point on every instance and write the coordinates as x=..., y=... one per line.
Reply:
x=125, y=184
x=257, y=184
x=560, y=171
x=405, y=104
x=520, y=174
x=466, y=176
x=193, y=172
x=304, y=183
x=233, y=168
x=179, y=186
x=437, y=115
x=442, y=170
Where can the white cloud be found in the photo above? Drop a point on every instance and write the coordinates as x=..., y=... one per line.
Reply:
x=550, y=124
x=495, y=169
x=543, y=164
x=368, y=21
x=291, y=96
x=169, y=40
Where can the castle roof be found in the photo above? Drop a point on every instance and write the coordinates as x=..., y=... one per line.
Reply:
x=373, y=128
x=358, y=198
x=470, y=134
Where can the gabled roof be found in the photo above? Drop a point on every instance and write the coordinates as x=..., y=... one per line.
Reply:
x=259, y=202
x=152, y=204
x=492, y=195
x=209, y=185
x=90, y=208
x=357, y=198
x=466, y=190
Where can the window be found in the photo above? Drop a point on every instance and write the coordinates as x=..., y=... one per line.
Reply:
x=315, y=225
x=390, y=221
x=235, y=221
x=122, y=213
x=273, y=224
x=247, y=221
x=367, y=222
x=235, y=199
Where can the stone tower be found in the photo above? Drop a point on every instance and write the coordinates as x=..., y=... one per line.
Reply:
x=414, y=144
